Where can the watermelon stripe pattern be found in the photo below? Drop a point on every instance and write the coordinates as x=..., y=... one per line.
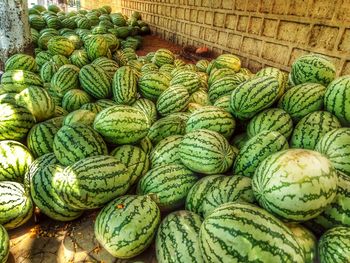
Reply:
x=4, y=244
x=148, y=107
x=15, y=204
x=151, y=85
x=124, y=86
x=163, y=56
x=174, y=99
x=170, y=184
x=46, y=196
x=17, y=80
x=188, y=79
x=74, y=99
x=166, y=151
x=177, y=238
x=122, y=241
x=65, y=79
x=21, y=61
x=232, y=230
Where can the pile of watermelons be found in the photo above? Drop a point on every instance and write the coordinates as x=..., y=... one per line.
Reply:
x=213, y=162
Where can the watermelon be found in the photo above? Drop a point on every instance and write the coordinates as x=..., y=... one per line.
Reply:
x=217, y=74
x=74, y=99
x=134, y=158
x=40, y=138
x=311, y=128
x=227, y=61
x=227, y=189
x=174, y=99
x=206, y=151
x=241, y=232
x=46, y=196
x=200, y=97
x=91, y=106
x=335, y=145
x=302, y=99
x=37, y=22
x=15, y=122
x=84, y=23
x=271, y=120
x=239, y=140
x=295, y=184
x=163, y=56
x=277, y=74
x=223, y=102
x=140, y=212
x=105, y=103
x=151, y=85
x=253, y=96
x=108, y=65
x=166, y=151
x=17, y=80
x=169, y=183
x=333, y=245
x=124, y=86
x=79, y=58
x=256, y=149
x=177, y=238
x=306, y=240
x=60, y=61
x=96, y=46
x=122, y=124
x=48, y=70
x=148, y=107
x=21, y=61
x=166, y=68
x=92, y=182
x=15, y=160
x=189, y=79
x=59, y=45
x=65, y=79
x=313, y=68
x=149, y=68
x=95, y=81
x=15, y=204
x=75, y=142
x=202, y=65
x=85, y=117
x=38, y=101
x=4, y=244
x=8, y=98
x=212, y=118
x=337, y=98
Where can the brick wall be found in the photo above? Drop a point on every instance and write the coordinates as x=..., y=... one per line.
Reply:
x=91, y=4
x=261, y=32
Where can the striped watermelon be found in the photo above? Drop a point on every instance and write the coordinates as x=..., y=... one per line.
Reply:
x=333, y=246
x=38, y=102
x=122, y=124
x=37, y=22
x=151, y=85
x=96, y=46
x=174, y=99
x=74, y=99
x=85, y=117
x=105, y=103
x=200, y=97
x=169, y=183
x=202, y=65
x=17, y=80
x=223, y=102
x=149, y=68
x=36, y=166
x=306, y=240
x=338, y=212
x=4, y=244
x=46, y=196
x=218, y=74
x=253, y=96
x=239, y=140
x=256, y=149
x=59, y=111
x=295, y=184
x=15, y=122
x=225, y=85
x=108, y=65
x=40, y=138
x=226, y=190
x=337, y=97
x=134, y=158
x=65, y=79
x=15, y=160
x=177, y=238
x=302, y=99
x=312, y=128
x=48, y=70
x=95, y=81
x=79, y=58
x=313, y=68
x=124, y=86
x=8, y=98
x=189, y=79
x=126, y=242
x=145, y=144
x=229, y=61
x=271, y=120
x=162, y=57
x=167, y=68
x=166, y=151
x=15, y=204
x=84, y=23
x=195, y=197
x=173, y=124
x=335, y=145
x=148, y=107
x=240, y=232
x=276, y=73
x=212, y=118
x=59, y=45
x=60, y=60
x=93, y=181
x=21, y=61
x=75, y=142
x=206, y=151
x=91, y=106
